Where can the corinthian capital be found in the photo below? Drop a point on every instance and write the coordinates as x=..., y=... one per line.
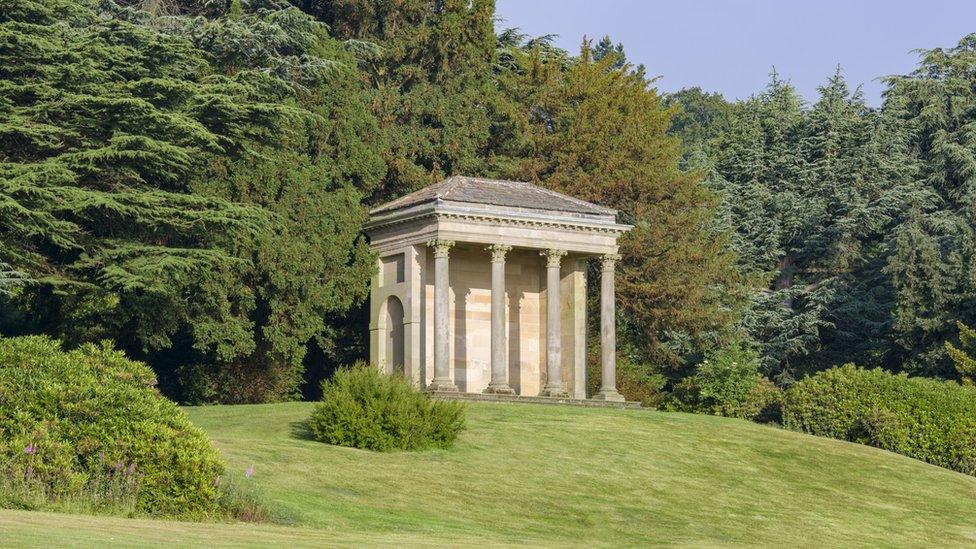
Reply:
x=498, y=252
x=553, y=257
x=441, y=247
x=609, y=261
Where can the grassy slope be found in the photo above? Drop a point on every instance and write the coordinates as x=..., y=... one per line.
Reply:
x=534, y=473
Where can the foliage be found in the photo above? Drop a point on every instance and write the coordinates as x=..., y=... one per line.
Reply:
x=930, y=420
x=964, y=356
x=162, y=176
x=166, y=164
x=637, y=382
x=599, y=133
x=932, y=266
x=9, y=278
x=430, y=82
x=726, y=376
x=812, y=195
x=703, y=116
x=87, y=428
x=727, y=383
x=364, y=408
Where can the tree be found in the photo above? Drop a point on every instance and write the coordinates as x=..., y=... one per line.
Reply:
x=600, y=133
x=937, y=104
x=162, y=178
x=430, y=83
x=813, y=193
x=606, y=48
x=964, y=356
x=703, y=117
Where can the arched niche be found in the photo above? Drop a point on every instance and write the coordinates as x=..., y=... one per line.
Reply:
x=394, y=336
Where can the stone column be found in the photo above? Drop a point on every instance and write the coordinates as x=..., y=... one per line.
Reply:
x=554, y=382
x=608, y=332
x=442, y=318
x=499, y=352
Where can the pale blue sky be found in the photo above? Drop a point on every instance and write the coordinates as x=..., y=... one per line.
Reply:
x=730, y=46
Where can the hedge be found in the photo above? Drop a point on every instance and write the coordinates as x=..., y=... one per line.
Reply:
x=930, y=420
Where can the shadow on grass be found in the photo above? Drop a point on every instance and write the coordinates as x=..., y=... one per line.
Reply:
x=301, y=430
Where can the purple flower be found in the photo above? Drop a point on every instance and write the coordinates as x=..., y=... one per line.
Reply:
x=30, y=471
x=30, y=449
x=101, y=456
x=132, y=468
x=249, y=472
x=118, y=466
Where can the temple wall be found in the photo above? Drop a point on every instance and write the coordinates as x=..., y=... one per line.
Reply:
x=470, y=291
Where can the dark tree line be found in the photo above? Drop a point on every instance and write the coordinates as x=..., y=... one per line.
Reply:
x=855, y=224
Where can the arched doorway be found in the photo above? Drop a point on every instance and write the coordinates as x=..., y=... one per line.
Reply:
x=394, y=336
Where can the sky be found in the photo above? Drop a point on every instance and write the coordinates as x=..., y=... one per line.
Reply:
x=731, y=46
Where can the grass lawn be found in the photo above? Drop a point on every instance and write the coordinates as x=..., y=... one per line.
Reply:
x=559, y=475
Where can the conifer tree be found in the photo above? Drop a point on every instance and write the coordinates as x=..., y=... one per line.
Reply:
x=934, y=263
x=166, y=192
x=813, y=194
x=432, y=91
x=600, y=133
x=964, y=356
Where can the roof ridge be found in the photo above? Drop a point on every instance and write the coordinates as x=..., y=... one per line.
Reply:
x=451, y=183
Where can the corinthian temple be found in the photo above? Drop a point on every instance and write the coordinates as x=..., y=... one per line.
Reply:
x=480, y=287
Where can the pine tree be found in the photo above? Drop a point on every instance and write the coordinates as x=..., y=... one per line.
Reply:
x=606, y=48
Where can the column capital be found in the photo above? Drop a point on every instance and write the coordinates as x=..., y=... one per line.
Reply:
x=498, y=252
x=608, y=261
x=553, y=256
x=441, y=247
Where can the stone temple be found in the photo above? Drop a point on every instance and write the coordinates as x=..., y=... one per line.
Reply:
x=480, y=287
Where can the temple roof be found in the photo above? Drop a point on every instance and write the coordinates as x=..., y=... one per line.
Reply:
x=476, y=190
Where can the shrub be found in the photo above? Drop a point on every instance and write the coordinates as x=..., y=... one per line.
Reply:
x=364, y=408
x=727, y=383
x=927, y=419
x=636, y=382
x=763, y=403
x=87, y=429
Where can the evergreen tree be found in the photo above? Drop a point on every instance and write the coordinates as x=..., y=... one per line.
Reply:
x=812, y=194
x=964, y=356
x=600, y=133
x=432, y=90
x=934, y=263
x=164, y=177
x=703, y=116
x=606, y=48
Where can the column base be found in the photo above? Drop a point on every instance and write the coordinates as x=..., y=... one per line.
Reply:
x=442, y=386
x=554, y=392
x=500, y=389
x=610, y=395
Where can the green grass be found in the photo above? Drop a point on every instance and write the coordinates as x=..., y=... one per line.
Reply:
x=559, y=475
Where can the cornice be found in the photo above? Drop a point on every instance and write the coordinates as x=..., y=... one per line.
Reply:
x=438, y=211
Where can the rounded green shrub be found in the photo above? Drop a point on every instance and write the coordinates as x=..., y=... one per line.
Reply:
x=364, y=408
x=927, y=419
x=88, y=426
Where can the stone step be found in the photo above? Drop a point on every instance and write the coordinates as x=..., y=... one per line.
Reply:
x=482, y=397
